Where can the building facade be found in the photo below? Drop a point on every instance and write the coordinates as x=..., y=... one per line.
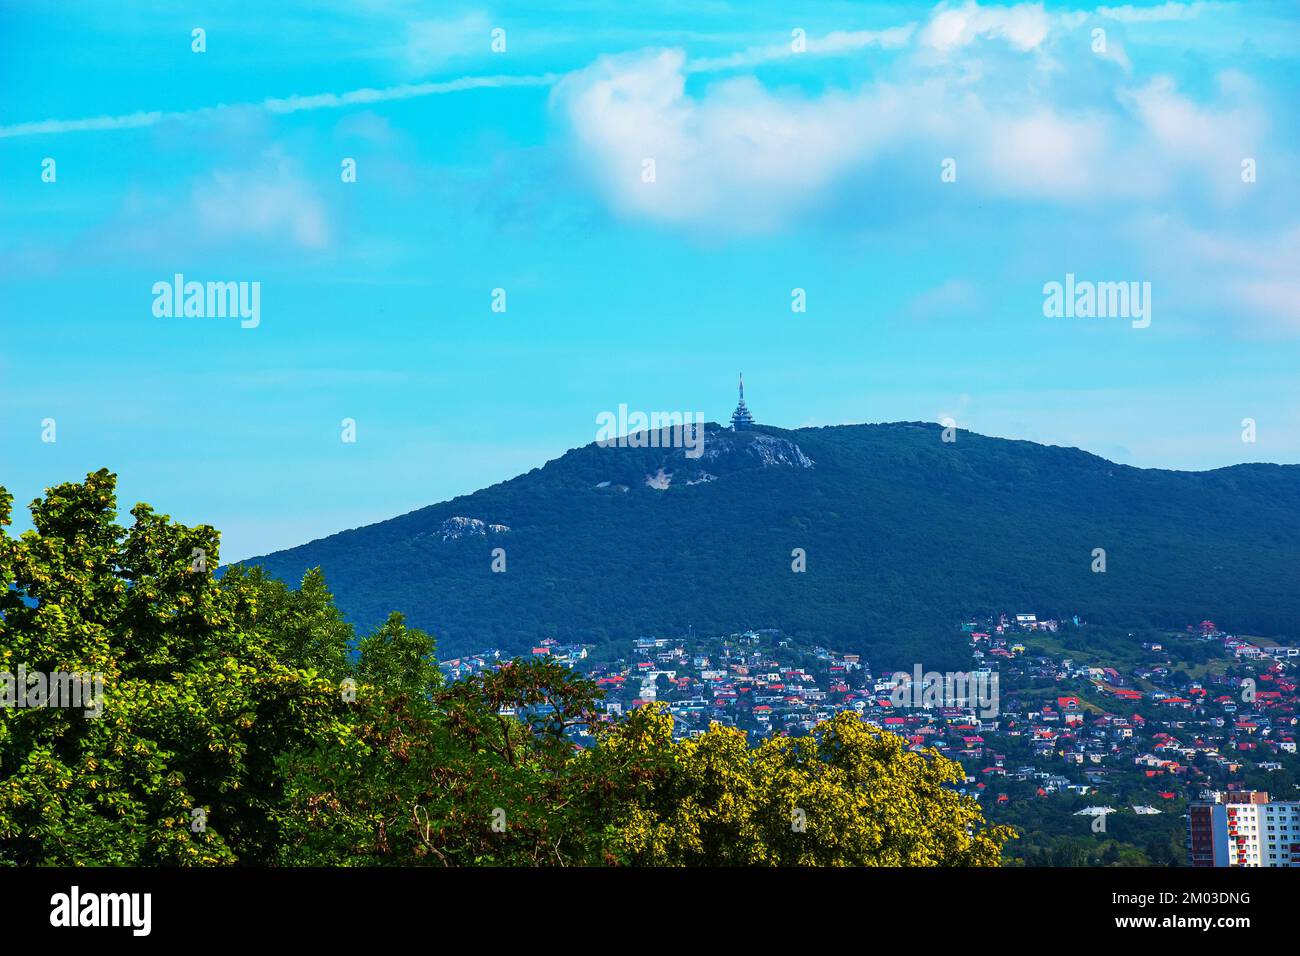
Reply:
x=1243, y=828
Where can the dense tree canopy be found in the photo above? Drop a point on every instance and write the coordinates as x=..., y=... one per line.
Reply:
x=241, y=721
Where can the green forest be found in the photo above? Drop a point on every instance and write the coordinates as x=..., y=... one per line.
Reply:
x=903, y=532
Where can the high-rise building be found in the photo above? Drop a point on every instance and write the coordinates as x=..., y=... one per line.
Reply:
x=741, y=418
x=1243, y=828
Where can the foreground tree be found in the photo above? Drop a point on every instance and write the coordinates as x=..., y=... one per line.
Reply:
x=478, y=773
x=846, y=795
x=206, y=684
x=241, y=722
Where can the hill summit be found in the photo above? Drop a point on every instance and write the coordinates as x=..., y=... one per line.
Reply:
x=902, y=532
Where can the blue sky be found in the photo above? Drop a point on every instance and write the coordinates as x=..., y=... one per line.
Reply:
x=775, y=169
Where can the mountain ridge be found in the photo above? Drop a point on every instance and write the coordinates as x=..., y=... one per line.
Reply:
x=903, y=533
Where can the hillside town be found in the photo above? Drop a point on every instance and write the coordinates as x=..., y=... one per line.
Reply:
x=1041, y=716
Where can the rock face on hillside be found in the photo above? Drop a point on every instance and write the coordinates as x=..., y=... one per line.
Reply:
x=457, y=527
x=904, y=533
x=723, y=451
x=770, y=451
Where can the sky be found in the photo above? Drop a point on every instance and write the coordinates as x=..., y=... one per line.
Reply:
x=643, y=190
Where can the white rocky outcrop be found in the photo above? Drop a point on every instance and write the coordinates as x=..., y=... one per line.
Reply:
x=459, y=527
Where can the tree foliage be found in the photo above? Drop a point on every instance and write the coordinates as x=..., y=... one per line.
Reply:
x=846, y=795
x=243, y=721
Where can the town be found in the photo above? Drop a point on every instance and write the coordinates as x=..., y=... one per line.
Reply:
x=1098, y=743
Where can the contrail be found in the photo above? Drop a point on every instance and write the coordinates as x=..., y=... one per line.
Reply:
x=838, y=43
x=291, y=104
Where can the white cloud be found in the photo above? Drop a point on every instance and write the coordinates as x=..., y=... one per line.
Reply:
x=741, y=157
x=737, y=156
x=1047, y=155
x=836, y=43
x=1025, y=26
x=1250, y=275
x=1207, y=139
x=434, y=43
x=1255, y=274
x=951, y=299
x=1277, y=300
x=271, y=203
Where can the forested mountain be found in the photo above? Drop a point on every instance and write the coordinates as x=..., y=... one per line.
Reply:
x=903, y=533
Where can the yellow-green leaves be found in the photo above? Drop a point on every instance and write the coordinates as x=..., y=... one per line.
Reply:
x=848, y=795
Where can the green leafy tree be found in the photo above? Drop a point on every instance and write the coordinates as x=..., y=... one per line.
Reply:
x=206, y=684
x=238, y=724
x=478, y=773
